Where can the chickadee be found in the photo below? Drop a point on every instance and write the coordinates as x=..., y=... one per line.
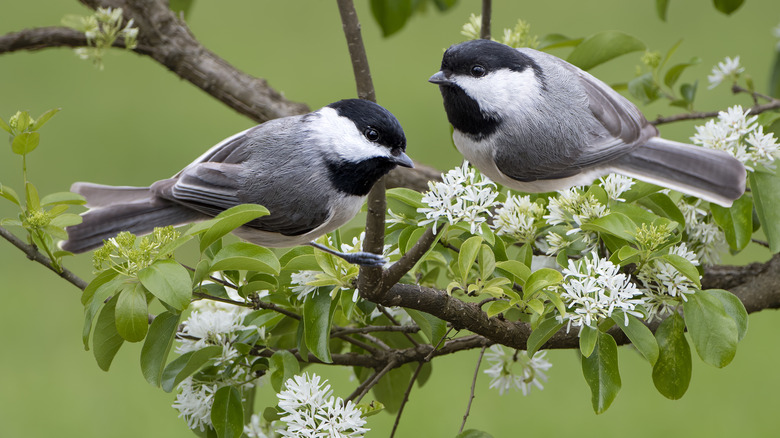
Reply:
x=312, y=172
x=536, y=123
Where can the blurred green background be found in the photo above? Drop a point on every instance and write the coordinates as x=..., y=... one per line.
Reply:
x=135, y=122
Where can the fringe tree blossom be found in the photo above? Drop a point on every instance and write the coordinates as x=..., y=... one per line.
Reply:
x=615, y=185
x=504, y=374
x=593, y=288
x=570, y=209
x=194, y=401
x=739, y=135
x=462, y=195
x=519, y=218
x=212, y=324
x=664, y=286
x=704, y=237
x=256, y=428
x=726, y=69
x=310, y=410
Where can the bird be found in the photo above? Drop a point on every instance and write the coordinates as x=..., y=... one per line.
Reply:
x=535, y=123
x=311, y=171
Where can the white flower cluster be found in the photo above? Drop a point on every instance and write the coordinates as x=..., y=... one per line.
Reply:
x=727, y=69
x=256, y=428
x=740, y=136
x=462, y=195
x=518, y=218
x=704, y=237
x=571, y=208
x=530, y=373
x=593, y=288
x=615, y=185
x=101, y=30
x=312, y=411
x=212, y=323
x=664, y=286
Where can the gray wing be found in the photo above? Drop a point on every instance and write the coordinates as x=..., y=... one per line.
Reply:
x=583, y=123
x=624, y=126
x=247, y=168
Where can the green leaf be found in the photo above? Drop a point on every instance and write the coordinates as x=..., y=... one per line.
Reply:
x=157, y=346
x=736, y=222
x=69, y=198
x=4, y=126
x=514, y=270
x=187, y=364
x=284, y=366
x=66, y=220
x=246, y=256
x=132, y=313
x=316, y=320
x=734, y=308
x=727, y=6
x=541, y=279
x=688, y=92
x=615, y=224
x=639, y=335
x=391, y=15
x=432, y=327
x=542, y=334
x=674, y=72
x=227, y=412
x=497, y=307
x=390, y=389
x=602, y=47
x=713, y=331
x=588, y=338
x=409, y=197
x=9, y=194
x=661, y=6
x=25, y=142
x=97, y=292
x=169, y=282
x=473, y=433
x=601, y=372
x=43, y=118
x=33, y=201
x=106, y=340
x=644, y=88
x=774, y=79
x=765, y=188
x=468, y=255
x=685, y=267
x=556, y=40
x=226, y=222
x=487, y=262
x=672, y=370
x=662, y=205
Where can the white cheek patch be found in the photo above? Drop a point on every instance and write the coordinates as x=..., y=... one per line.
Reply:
x=340, y=135
x=502, y=91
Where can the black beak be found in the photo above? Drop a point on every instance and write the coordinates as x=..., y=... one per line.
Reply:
x=403, y=160
x=440, y=78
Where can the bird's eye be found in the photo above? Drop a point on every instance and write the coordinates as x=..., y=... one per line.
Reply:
x=478, y=71
x=371, y=134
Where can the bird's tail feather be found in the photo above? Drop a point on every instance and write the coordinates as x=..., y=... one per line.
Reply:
x=712, y=175
x=113, y=210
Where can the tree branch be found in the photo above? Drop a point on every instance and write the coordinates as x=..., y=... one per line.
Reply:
x=754, y=110
x=36, y=256
x=487, y=13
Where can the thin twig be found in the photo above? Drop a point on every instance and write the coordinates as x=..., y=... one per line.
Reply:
x=366, y=386
x=36, y=256
x=755, y=109
x=436, y=347
x=473, y=386
x=359, y=344
x=206, y=296
x=760, y=242
x=395, y=322
x=375, y=328
x=487, y=12
x=376, y=341
x=406, y=397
